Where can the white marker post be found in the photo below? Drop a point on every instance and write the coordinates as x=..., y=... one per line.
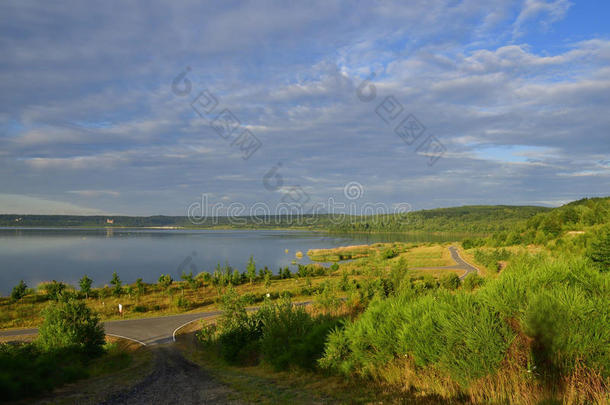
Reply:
x=121, y=309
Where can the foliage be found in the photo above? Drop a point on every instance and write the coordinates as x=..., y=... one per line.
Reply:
x=54, y=290
x=251, y=269
x=389, y=253
x=27, y=370
x=140, y=287
x=165, y=280
x=450, y=281
x=290, y=336
x=19, y=291
x=454, y=333
x=85, y=285
x=491, y=258
x=470, y=243
x=71, y=324
x=117, y=290
x=599, y=251
x=189, y=279
x=472, y=281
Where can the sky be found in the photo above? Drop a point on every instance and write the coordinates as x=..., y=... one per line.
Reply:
x=150, y=107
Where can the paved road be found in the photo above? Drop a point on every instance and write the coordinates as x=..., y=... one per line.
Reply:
x=147, y=331
x=461, y=264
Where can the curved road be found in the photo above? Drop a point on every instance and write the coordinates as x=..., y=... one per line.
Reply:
x=146, y=331
x=461, y=264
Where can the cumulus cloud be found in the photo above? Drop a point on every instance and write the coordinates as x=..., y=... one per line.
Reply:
x=89, y=116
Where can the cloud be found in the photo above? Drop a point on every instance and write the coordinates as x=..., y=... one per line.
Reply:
x=545, y=11
x=89, y=113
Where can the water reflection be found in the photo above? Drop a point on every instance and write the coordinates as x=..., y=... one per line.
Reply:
x=37, y=255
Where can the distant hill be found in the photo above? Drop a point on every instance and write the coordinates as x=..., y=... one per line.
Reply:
x=570, y=226
x=472, y=218
x=468, y=219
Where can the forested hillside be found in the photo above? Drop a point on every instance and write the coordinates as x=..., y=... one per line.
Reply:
x=475, y=219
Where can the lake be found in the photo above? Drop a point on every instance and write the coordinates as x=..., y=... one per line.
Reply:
x=45, y=254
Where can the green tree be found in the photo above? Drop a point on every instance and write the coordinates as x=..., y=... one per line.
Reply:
x=251, y=270
x=190, y=280
x=236, y=277
x=71, y=324
x=140, y=287
x=599, y=251
x=85, y=285
x=54, y=290
x=267, y=279
x=118, y=285
x=165, y=280
x=19, y=291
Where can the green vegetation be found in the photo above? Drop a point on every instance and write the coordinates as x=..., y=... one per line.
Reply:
x=537, y=331
x=279, y=334
x=68, y=340
x=467, y=219
x=71, y=325
x=19, y=291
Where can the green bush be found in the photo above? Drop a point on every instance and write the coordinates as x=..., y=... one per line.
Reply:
x=450, y=281
x=54, y=290
x=290, y=336
x=599, y=251
x=389, y=253
x=165, y=280
x=472, y=281
x=27, y=370
x=453, y=332
x=19, y=291
x=71, y=325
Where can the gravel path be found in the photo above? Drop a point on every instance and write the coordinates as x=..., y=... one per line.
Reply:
x=174, y=380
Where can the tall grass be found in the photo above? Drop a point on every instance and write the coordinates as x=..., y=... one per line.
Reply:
x=542, y=326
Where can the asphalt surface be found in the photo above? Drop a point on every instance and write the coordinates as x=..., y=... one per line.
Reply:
x=455, y=255
x=461, y=264
x=147, y=331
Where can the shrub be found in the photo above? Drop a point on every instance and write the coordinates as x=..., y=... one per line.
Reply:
x=19, y=291
x=452, y=332
x=472, y=281
x=472, y=243
x=389, y=253
x=207, y=334
x=26, y=370
x=117, y=290
x=290, y=336
x=54, y=290
x=450, y=281
x=183, y=303
x=73, y=325
x=140, y=308
x=599, y=252
x=165, y=280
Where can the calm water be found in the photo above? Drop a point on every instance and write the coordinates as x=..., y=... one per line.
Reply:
x=37, y=255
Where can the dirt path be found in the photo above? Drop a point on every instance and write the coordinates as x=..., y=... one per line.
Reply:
x=174, y=380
